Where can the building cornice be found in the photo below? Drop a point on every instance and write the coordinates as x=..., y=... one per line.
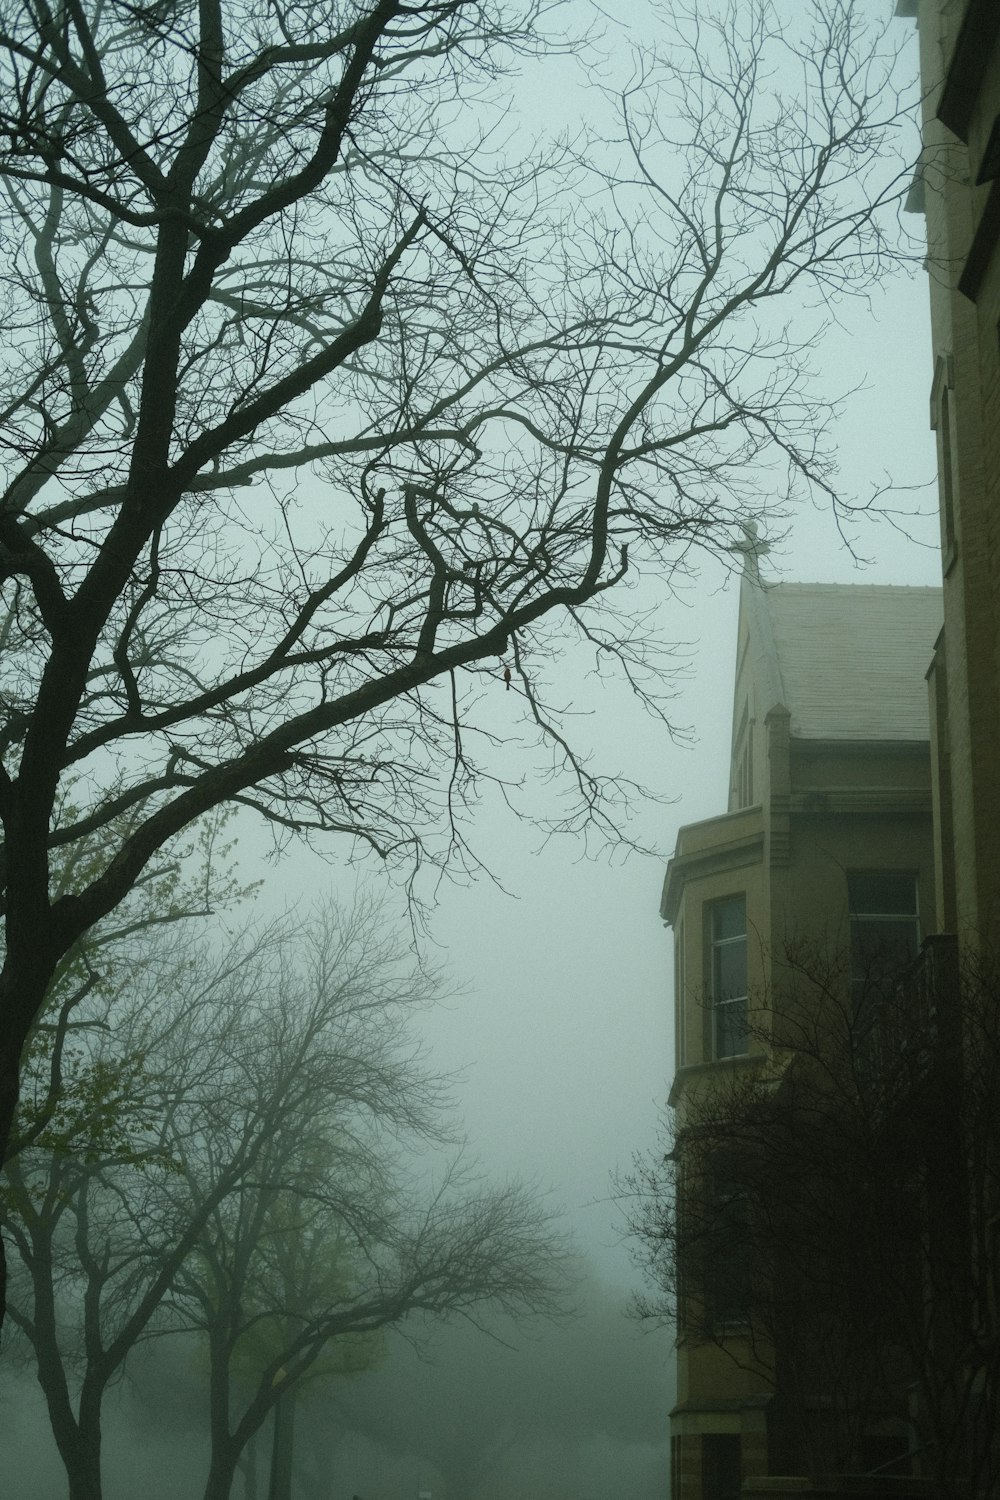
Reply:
x=802, y=747
x=722, y=1403
x=692, y=1073
x=715, y=860
x=859, y=800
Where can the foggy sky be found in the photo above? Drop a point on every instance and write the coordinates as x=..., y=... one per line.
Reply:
x=565, y=1034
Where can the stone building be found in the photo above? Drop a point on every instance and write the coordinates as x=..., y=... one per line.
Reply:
x=828, y=837
x=854, y=814
x=958, y=190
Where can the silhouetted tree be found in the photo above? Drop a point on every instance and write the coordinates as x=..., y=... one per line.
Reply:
x=318, y=406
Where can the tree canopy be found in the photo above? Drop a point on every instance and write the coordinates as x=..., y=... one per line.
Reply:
x=322, y=410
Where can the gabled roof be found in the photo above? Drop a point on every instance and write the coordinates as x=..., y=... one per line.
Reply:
x=850, y=659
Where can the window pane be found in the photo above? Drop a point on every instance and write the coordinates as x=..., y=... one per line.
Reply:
x=730, y=970
x=882, y=946
x=728, y=973
x=882, y=894
x=727, y=1286
x=730, y=1028
x=729, y=918
x=884, y=933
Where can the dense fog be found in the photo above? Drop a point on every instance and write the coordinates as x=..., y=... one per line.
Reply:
x=569, y=1409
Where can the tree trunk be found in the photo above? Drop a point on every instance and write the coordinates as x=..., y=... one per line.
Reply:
x=248, y=1468
x=83, y=1464
x=77, y=1434
x=21, y=997
x=221, y=1473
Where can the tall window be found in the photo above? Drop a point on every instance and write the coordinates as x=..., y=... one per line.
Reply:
x=726, y=1283
x=721, y=1466
x=728, y=940
x=885, y=930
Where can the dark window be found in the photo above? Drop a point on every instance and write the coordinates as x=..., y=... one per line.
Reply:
x=885, y=931
x=884, y=1454
x=727, y=1259
x=721, y=1466
x=728, y=938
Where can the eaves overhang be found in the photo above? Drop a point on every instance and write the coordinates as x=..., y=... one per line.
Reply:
x=860, y=801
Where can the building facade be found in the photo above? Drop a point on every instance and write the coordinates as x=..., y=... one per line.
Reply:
x=861, y=810
x=826, y=841
x=958, y=191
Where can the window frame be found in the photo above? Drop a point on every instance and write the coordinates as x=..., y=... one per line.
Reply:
x=721, y=1465
x=723, y=1006
x=866, y=983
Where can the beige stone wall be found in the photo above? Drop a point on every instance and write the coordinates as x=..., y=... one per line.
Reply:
x=884, y=823
x=965, y=345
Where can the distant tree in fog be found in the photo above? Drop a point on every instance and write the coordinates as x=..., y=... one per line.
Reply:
x=267, y=1095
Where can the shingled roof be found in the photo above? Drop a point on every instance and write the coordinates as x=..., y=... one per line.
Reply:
x=851, y=658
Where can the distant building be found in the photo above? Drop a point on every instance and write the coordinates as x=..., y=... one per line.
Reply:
x=958, y=189
x=827, y=837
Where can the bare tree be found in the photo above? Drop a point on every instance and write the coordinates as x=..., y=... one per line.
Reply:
x=825, y=1215
x=320, y=408
x=95, y=1104
x=464, y=1249
x=253, y=1190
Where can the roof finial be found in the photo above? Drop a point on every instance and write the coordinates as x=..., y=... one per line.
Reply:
x=752, y=548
